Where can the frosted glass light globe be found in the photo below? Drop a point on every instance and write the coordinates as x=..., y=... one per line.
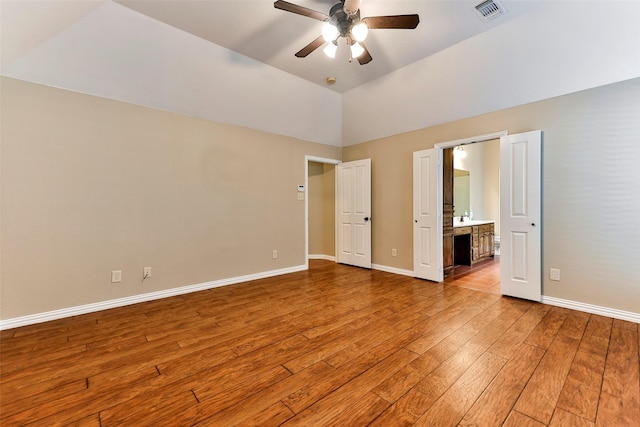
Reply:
x=329, y=32
x=360, y=31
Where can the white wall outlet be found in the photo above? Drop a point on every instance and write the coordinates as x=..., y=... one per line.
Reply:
x=394, y=252
x=146, y=273
x=274, y=254
x=116, y=276
x=554, y=274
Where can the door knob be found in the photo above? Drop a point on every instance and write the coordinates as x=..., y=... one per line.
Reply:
x=366, y=218
x=533, y=224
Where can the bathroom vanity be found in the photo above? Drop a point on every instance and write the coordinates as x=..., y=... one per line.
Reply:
x=473, y=241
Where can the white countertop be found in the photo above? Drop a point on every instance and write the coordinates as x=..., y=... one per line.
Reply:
x=468, y=222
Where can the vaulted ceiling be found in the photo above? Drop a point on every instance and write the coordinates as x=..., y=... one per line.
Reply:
x=256, y=29
x=233, y=61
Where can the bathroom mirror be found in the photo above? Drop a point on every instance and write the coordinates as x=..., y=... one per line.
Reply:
x=461, y=192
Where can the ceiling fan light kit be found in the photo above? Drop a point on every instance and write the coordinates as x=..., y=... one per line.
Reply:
x=344, y=21
x=331, y=49
x=329, y=32
x=360, y=31
x=356, y=50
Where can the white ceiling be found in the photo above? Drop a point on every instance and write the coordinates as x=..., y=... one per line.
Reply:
x=103, y=48
x=256, y=29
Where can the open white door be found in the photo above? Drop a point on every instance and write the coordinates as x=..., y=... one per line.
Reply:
x=520, y=214
x=354, y=213
x=427, y=241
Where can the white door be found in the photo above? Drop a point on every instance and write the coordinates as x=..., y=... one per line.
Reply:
x=427, y=240
x=354, y=213
x=520, y=214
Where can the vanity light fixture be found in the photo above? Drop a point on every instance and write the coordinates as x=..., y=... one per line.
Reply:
x=459, y=152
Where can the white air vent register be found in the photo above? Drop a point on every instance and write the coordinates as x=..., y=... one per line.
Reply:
x=489, y=9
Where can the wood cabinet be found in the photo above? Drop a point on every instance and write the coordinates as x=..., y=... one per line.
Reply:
x=473, y=243
x=485, y=239
x=447, y=211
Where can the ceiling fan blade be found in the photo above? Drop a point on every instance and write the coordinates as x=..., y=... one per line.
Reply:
x=365, y=58
x=310, y=47
x=294, y=8
x=408, y=22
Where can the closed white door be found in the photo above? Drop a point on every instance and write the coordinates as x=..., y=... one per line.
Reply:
x=427, y=221
x=520, y=215
x=354, y=213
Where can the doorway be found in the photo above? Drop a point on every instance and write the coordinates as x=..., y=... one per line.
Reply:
x=476, y=199
x=520, y=156
x=320, y=209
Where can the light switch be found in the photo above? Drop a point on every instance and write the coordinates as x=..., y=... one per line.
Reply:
x=116, y=276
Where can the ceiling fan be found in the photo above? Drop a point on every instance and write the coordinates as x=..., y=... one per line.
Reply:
x=344, y=20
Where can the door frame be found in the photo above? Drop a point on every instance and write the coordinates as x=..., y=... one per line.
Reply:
x=440, y=147
x=307, y=159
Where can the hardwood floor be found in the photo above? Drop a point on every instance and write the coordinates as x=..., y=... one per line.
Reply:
x=482, y=276
x=335, y=345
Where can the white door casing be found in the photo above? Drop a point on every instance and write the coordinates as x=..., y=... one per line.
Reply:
x=354, y=213
x=520, y=215
x=427, y=219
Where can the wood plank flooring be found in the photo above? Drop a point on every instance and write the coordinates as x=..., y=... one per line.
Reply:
x=332, y=346
x=482, y=276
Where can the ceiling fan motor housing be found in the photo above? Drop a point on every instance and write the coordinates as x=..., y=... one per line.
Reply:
x=343, y=22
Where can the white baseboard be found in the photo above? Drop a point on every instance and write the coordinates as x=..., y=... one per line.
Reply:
x=593, y=309
x=393, y=270
x=322, y=256
x=135, y=299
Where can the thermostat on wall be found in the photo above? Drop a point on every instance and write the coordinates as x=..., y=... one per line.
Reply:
x=300, y=188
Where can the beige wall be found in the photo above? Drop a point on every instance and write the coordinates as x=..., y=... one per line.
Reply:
x=322, y=213
x=474, y=163
x=90, y=185
x=591, y=149
x=483, y=163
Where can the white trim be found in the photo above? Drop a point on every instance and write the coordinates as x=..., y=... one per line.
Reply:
x=472, y=139
x=393, y=270
x=121, y=302
x=307, y=159
x=322, y=160
x=322, y=256
x=135, y=299
x=593, y=309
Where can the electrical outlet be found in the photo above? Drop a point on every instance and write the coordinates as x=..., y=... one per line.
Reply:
x=274, y=255
x=394, y=252
x=146, y=273
x=116, y=276
x=554, y=274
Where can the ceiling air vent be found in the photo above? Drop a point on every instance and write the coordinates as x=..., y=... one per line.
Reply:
x=489, y=9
